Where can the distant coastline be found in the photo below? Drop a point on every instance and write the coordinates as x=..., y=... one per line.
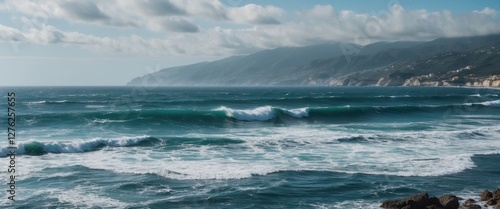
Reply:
x=466, y=61
x=425, y=80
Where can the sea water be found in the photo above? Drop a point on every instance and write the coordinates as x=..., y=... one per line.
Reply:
x=248, y=147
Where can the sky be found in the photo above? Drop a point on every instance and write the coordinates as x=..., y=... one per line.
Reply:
x=108, y=43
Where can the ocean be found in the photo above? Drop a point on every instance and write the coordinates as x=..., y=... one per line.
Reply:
x=247, y=147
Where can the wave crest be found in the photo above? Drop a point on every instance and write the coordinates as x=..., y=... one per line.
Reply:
x=264, y=113
x=41, y=148
x=495, y=103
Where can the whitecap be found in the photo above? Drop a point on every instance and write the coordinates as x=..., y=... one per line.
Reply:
x=108, y=121
x=263, y=113
x=495, y=103
x=299, y=112
x=258, y=114
x=37, y=102
x=94, y=106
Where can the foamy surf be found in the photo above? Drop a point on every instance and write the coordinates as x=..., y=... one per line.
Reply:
x=429, y=154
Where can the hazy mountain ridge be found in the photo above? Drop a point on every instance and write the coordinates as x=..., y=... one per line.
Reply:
x=469, y=61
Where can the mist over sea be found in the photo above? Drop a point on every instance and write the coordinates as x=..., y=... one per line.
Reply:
x=249, y=147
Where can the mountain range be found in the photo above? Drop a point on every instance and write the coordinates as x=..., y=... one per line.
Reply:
x=463, y=61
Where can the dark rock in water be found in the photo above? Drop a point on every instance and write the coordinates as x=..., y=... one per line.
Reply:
x=449, y=201
x=491, y=202
x=434, y=207
x=469, y=203
x=486, y=195
x=422, y=201
x=416, y=201
x=434, y=201
x=496, y=194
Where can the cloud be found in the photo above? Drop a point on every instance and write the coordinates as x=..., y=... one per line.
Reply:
x=395, y=23
x=159, y=8
x=251, y=27
x=46, y=35
x=212, y=9
x=83, y=10
x=176, y=15
x=486, y=11
x=399, y=23
x=247, y=14
x=8, y=34
x=255, y=14
x=319, y=12
x=116, y=13
x=176, y=24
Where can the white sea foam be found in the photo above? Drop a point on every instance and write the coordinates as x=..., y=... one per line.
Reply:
x=177, y=166
x=80, y=197
x=358, y=204
x=435, y=152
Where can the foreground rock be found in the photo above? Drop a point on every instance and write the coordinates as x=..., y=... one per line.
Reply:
x=422, y=201
x=486, y=195
x=491, y=198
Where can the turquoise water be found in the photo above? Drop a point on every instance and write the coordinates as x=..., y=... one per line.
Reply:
x=249, y=147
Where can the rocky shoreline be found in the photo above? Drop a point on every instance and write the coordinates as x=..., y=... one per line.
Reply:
x=492, y=81
x=486, y=199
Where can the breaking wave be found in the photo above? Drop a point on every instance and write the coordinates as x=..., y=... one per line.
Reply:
x=263, y=113
x=40, y=148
